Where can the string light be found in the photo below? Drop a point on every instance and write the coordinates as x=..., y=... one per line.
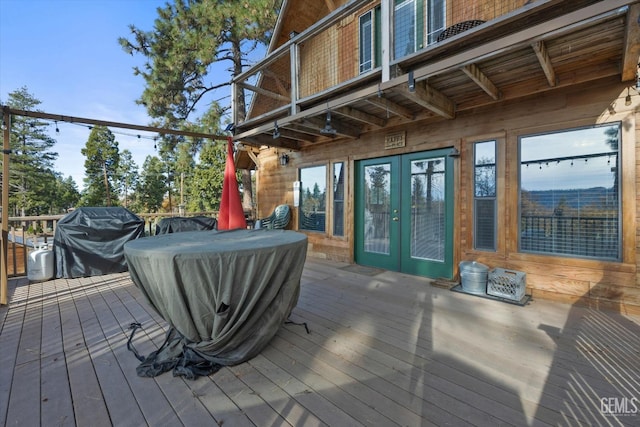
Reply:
x=57, y=129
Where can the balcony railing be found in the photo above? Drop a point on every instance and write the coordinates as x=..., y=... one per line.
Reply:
x=324, y=58
x=578, y=236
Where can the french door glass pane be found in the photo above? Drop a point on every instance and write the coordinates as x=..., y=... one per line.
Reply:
x=428, y=209
x=377, y=181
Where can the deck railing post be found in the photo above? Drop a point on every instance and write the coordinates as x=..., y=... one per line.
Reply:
x=4, y=256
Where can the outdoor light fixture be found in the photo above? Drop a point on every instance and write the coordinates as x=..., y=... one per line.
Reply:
x=328, y=129
x=284, y=159
x=411, y=82
x=627, y=99
x=276, y=130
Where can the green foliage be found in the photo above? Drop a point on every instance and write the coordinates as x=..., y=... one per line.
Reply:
x=127, y=176
x=152, y=185
x=101, y=168
x=188, y=37
x=205, y=186
x=34, y=187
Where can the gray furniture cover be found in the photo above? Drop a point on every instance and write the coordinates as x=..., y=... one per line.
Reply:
x=179, y=224
x=223, y=293
x=90, y=241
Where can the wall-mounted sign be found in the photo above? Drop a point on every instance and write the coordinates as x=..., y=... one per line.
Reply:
x=394, y=140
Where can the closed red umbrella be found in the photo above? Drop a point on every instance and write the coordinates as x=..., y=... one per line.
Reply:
x=231, y=215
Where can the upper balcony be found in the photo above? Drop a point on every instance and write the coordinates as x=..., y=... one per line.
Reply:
x=369, y=65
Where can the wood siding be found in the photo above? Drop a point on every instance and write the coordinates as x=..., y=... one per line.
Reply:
x=612, y=284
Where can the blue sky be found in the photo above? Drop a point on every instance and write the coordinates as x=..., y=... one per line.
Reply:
x=66, y=53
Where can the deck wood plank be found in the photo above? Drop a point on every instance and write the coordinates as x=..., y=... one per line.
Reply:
x=10, y=331
x=388, y=349
x=88, y=403
x=56, y=401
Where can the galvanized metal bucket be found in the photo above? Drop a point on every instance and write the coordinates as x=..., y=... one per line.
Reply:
x=473, y=276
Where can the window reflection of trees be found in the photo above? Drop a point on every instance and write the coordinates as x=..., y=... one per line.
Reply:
x=313, y=195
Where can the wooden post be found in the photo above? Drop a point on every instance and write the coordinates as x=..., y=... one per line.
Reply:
x=4, y=256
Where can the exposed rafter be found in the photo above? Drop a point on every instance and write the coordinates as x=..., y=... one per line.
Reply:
x=631, y=52
x=545, y=61
x=426, y=96
x=482, y=80
x=265, y=92
x=314, y=124
x=264, y=139
x=361, y=116
x=278, y=80
x=291, y=132
x=391, y=107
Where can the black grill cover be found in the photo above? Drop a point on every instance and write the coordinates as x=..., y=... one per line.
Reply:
x=178, y=224
x=90, y=241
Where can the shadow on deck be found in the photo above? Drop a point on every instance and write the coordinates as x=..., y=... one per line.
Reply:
x=383, y=349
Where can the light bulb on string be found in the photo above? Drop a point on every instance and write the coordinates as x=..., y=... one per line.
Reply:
x=57, y=129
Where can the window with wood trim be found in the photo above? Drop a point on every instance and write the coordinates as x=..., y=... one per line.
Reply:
x=313, y=196
x=436, y=19
x=570, y=192
x=484, y=196
x=369, y=40
x=366, y=42
x=338, y=198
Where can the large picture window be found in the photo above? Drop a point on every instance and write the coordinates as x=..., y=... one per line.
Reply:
x=570, y=193
x=313, y=195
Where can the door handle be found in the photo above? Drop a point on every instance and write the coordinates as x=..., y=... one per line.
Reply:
x=395, y=218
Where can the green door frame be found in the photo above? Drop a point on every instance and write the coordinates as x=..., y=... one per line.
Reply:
x=398, y=256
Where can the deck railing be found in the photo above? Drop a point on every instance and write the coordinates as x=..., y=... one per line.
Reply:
x=30, y=232
x=580, y=236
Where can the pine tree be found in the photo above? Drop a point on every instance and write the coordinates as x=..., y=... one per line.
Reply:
x=152, y=184
x=188, y=37
x=101, y=168
x=31, y=158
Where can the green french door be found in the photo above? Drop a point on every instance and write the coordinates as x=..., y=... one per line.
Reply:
x=404, y=213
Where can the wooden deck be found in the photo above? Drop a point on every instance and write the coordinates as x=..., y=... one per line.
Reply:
x=383, y=350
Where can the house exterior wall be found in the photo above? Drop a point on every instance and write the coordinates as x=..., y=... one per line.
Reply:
x=607, y=284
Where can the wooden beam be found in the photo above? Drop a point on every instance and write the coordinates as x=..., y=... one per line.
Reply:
x=283, y=90
x=429, y=98
x=631, y=52
x=71, y=119
x=361, y=116
x=330, y=5
x=482, y=80
x=391, y=107
x=265, y=92
x=545, y=61
x=342, y=129
x=264, y=139
x=4, y=241
x=292, y=133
